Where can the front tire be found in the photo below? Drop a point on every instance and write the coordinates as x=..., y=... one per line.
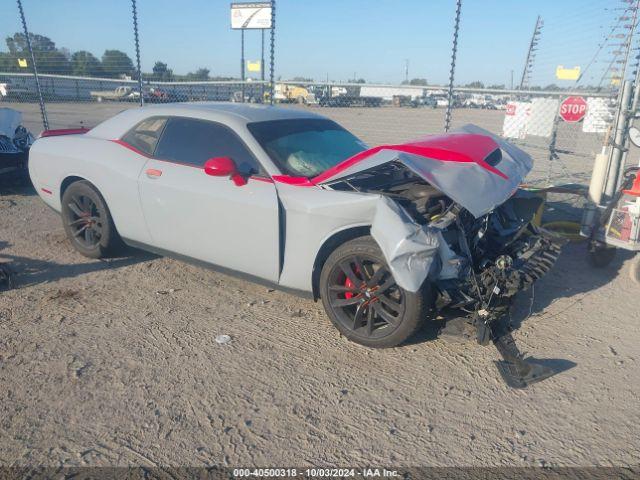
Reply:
x=363, y=300
x=87, y=221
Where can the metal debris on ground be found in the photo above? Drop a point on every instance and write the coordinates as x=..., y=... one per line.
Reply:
x=165, y=292
x=223, y=339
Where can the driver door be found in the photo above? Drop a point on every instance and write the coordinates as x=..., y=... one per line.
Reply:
x=210, y=218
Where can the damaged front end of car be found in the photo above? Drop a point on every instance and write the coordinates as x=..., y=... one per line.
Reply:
x=450, y=213
x=15, y=142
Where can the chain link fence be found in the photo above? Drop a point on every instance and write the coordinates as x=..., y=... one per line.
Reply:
x=82, y=89
x=378, y=114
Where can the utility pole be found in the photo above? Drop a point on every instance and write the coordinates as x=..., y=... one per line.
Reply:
x=406, y=71
x=528, y=64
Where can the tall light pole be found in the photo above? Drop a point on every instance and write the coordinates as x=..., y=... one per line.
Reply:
x=528, y=64
x=242, y=77
x=262, y=65
x=273, y=46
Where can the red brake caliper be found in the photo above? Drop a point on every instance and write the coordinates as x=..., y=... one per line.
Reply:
x=349, y=284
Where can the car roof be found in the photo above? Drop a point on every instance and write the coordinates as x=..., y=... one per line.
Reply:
x=232, y=114
x=250, y=112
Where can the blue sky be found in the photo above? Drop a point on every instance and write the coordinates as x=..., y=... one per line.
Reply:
x=337, y=38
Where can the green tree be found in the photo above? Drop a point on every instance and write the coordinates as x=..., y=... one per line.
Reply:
x=162, y=73
x=85, y=64
x=476, y=84
x=49, y=58
x=17, y=44
x=416, y=81
x=53, y=62
x=199, y=74
x=8, y=62
x=116, y=63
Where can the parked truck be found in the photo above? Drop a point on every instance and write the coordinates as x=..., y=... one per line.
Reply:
x=285, y=93
x=346, y=97
x=120, y=94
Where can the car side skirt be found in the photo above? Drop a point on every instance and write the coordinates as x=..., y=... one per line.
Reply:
x=217, y=268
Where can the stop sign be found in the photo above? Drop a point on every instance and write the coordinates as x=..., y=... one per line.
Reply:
x=573, y=109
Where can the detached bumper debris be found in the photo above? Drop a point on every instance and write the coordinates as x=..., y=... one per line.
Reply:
x=408, y=248
x=15, y=141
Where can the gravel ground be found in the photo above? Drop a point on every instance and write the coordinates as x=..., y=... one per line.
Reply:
x=115, y=363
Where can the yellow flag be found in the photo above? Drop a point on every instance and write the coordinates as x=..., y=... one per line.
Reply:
x=22, y=62
x=567, y=73
x=254, y=66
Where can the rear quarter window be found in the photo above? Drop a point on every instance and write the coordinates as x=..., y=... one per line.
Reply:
x=145, y=135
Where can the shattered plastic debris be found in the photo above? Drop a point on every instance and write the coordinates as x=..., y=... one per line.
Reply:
x=223, y=339
x=165, y=292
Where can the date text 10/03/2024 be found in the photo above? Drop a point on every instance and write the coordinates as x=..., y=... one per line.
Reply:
x=315, y=472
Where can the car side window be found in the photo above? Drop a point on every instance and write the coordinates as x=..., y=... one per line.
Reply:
x=193, y=142
x=145, y=135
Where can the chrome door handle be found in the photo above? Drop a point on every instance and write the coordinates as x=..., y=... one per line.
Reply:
x=153, y=173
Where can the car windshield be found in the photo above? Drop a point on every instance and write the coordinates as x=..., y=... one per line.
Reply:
x=305, y=147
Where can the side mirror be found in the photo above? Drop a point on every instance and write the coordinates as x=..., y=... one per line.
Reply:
x=224, y=167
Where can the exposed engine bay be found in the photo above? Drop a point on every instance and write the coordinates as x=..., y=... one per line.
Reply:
x=483, y=263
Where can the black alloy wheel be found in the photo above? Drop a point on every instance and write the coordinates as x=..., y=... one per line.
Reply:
x=363, y=300
x=87, y=220
x=364, y=296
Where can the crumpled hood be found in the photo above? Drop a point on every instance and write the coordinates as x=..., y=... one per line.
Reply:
x=472, y=166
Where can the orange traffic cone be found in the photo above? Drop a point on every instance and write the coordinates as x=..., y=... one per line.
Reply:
x=635, y=189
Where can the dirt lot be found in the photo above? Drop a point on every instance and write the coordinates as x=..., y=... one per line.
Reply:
x=116, y=363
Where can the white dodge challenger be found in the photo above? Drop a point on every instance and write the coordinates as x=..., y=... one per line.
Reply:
x=386, y=236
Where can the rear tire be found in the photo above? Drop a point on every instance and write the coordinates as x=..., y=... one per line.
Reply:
x=87, y=221
x=362, y=299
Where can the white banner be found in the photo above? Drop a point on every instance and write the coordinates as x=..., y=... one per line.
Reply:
x=541, y=116
x=515, y=120
x=599, y=115
x=251, y=15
